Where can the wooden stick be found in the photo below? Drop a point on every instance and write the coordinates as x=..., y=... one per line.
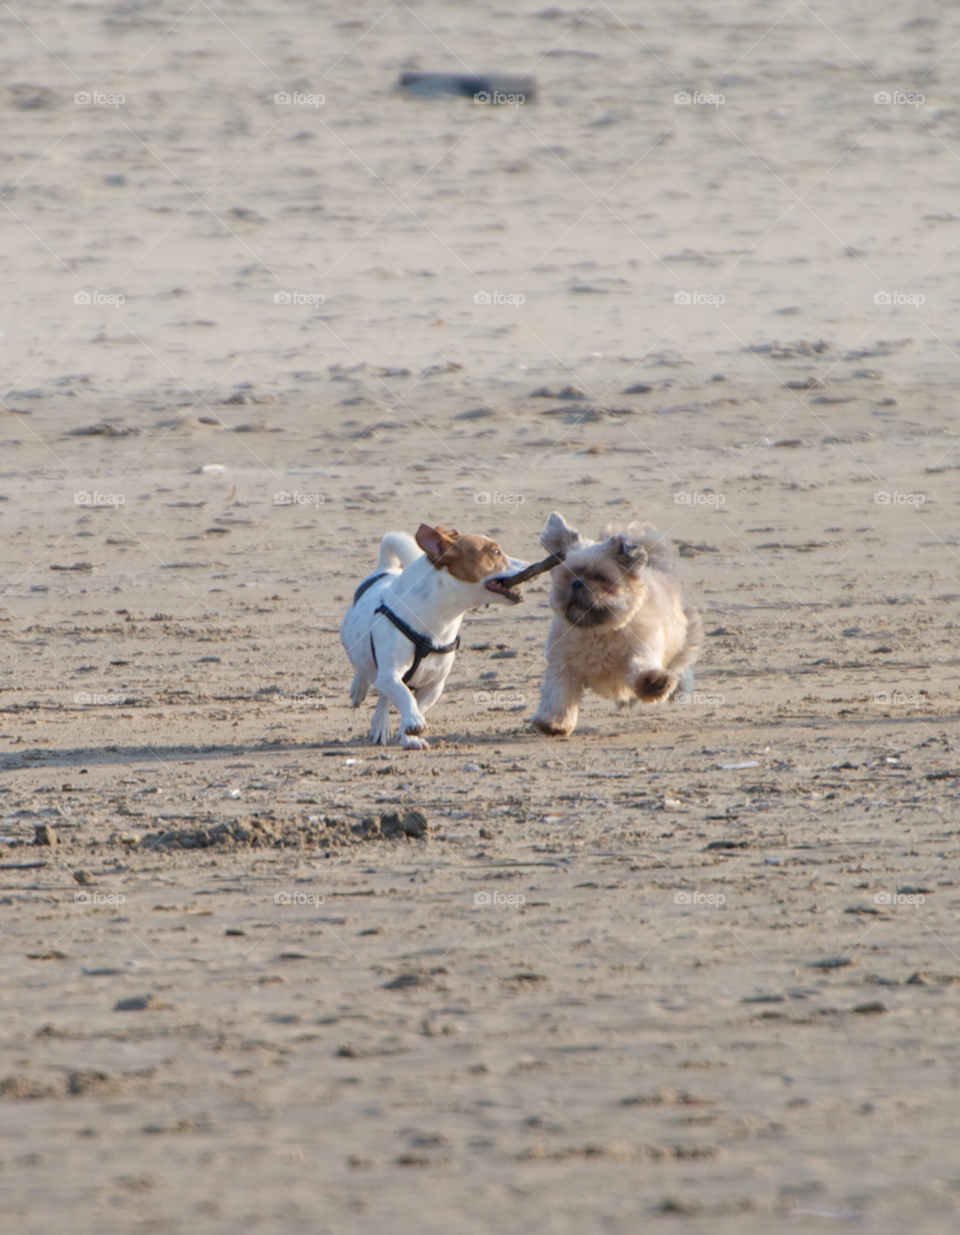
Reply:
x=531, y=572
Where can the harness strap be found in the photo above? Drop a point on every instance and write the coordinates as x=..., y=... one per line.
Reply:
x=367, y=583
x=423, y=646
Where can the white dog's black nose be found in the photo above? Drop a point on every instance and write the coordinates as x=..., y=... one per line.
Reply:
x=576, y=585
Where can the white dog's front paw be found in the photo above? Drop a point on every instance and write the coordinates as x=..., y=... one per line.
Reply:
x=410, y=741
x=380, y=734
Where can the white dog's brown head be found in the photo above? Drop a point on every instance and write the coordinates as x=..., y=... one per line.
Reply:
x=471, y=559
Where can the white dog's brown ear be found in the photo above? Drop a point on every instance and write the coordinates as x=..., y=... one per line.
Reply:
x=558, y=536
x=628, y=553
x=434, y=541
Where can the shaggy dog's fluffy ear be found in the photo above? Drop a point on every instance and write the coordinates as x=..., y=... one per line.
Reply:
x=628, y=553
x=558, y=536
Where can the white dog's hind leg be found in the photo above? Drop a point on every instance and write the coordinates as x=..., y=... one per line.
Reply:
x=380, y=725
x=358, y=691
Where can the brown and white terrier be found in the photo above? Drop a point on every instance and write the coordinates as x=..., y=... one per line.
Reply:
x=620, y=627
x=402, y=630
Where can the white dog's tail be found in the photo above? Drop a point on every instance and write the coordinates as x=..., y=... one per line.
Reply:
x=397, y=549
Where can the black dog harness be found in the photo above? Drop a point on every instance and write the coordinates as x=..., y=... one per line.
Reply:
x=422, y=645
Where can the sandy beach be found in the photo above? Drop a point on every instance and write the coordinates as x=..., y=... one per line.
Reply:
x=695, y=967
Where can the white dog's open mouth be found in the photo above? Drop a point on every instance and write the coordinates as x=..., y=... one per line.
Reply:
x=503, y=588
x=507, y=585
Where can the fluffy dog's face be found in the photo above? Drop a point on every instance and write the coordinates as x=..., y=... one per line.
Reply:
x=599, y=584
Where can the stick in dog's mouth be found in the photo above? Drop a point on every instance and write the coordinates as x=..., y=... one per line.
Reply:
x=508, y=585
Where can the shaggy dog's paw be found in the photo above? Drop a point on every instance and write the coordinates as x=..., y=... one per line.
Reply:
x=552, y=728
x=655, y=685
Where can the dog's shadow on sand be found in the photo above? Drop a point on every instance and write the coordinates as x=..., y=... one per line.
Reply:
x=76, y=758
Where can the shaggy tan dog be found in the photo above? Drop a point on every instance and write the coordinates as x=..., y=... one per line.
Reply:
x=620, y=626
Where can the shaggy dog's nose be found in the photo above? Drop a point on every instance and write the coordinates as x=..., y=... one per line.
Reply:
x=577, y=585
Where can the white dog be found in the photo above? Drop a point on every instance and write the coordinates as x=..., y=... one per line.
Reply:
x=402, y=629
